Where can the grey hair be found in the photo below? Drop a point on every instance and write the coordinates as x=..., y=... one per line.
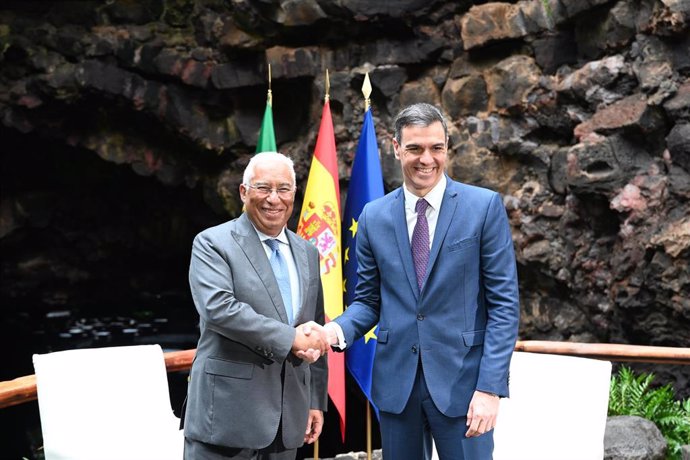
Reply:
x=267, y=157
x=420, y=114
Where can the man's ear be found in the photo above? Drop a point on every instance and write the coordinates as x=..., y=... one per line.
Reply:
x=243, y=193
x=396, y=149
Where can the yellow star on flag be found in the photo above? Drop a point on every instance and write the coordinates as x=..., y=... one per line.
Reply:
x=344, y=286
x=370, y=335
x=353, y=228
x=347, y=254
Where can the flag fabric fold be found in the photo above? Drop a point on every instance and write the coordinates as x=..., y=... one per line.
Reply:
x=319, y=223
x=267, y=137
x=366, y=184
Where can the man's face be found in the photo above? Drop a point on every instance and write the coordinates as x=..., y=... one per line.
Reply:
x=269, y=211
x=423, y=152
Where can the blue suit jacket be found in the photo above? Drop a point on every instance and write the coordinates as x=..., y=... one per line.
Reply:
x=463, y=323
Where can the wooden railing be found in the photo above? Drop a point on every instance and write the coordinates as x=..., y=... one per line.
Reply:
x=23, y=389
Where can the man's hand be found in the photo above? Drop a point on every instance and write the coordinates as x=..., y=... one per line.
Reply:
x=331, y=333
x=311, y=342
x=481, y=416
x=314, y=426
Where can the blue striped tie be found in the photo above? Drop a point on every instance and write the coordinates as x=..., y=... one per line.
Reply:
x=282, y=275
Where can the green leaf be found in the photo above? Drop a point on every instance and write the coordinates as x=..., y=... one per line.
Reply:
x=632, y=394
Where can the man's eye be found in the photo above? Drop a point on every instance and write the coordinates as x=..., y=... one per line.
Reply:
x=284, y=190
x=412, y=149
x=263, y=189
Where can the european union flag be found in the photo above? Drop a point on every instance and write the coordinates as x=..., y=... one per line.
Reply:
x=366, y=184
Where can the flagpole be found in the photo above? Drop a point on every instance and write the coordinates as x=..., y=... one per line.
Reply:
x=267, y=138
x=269, y=96
x=366, y=91
x=325, y=99
x=368, y=430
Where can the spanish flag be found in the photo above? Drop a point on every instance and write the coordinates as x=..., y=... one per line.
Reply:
x=319, y=223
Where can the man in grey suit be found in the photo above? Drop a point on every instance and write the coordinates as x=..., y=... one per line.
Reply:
x=257, y=388
x=437, y=273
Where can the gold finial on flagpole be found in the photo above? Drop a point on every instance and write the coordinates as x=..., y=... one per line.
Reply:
x=270, y=95
x=366, y=90
x=328, y=88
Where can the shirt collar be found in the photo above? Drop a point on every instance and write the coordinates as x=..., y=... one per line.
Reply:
x=434, y=197
x=282, y=236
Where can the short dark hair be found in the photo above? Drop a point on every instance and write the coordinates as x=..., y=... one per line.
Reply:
x=420, y=114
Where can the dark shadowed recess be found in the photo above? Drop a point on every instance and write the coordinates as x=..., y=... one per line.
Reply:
x=94, y=254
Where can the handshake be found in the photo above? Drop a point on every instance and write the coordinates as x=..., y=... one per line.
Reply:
x=313, y=340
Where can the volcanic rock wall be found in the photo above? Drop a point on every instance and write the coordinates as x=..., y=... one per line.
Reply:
x=578, y=112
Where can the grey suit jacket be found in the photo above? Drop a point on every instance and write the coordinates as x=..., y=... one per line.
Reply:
x=235, y=395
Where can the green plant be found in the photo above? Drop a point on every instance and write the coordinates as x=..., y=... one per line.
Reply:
x=631, y=394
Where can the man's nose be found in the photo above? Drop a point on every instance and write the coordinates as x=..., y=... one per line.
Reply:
x=426, y=156
x=273, y=195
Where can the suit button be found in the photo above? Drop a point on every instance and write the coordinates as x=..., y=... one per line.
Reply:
x=414, y=348
x=420, y=317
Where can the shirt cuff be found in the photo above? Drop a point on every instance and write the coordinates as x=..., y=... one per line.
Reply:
x=341, y=345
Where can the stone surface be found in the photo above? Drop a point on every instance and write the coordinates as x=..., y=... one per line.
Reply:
x=125, y=126
x=678, y=142
x=388, y=79
x=596, y=81
x=633, y=438
x=553, y=50
x=465, y=96
x=490, y=22
x=678, y=107
x=510, y=81
x=633, y=112
x=601, y=163
x=424, y=90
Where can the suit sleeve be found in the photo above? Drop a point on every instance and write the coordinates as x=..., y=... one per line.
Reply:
x=500, y=286
x=364, y=312
x=211, y=282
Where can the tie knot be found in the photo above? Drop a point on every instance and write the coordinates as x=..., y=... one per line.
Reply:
x=421, y=206
x=273, y=244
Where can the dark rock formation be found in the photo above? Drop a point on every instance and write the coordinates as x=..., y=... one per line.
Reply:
x=125, y=127
x=633, y=438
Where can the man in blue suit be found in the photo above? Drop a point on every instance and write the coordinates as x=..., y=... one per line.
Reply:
x=437, y=273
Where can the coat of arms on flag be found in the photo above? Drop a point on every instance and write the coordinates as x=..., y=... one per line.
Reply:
x=319, y=224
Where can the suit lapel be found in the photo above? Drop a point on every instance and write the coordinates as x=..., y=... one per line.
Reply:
x=448, y=207
x=248, y=240
x=403, y=240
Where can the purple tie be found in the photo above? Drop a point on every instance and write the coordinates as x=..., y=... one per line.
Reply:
x=420, y=241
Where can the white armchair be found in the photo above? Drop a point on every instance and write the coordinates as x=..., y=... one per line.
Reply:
x=107, y=404
x=556, y=410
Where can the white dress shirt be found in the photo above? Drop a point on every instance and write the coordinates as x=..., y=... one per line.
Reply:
x=285, y=251
x=434, y=197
